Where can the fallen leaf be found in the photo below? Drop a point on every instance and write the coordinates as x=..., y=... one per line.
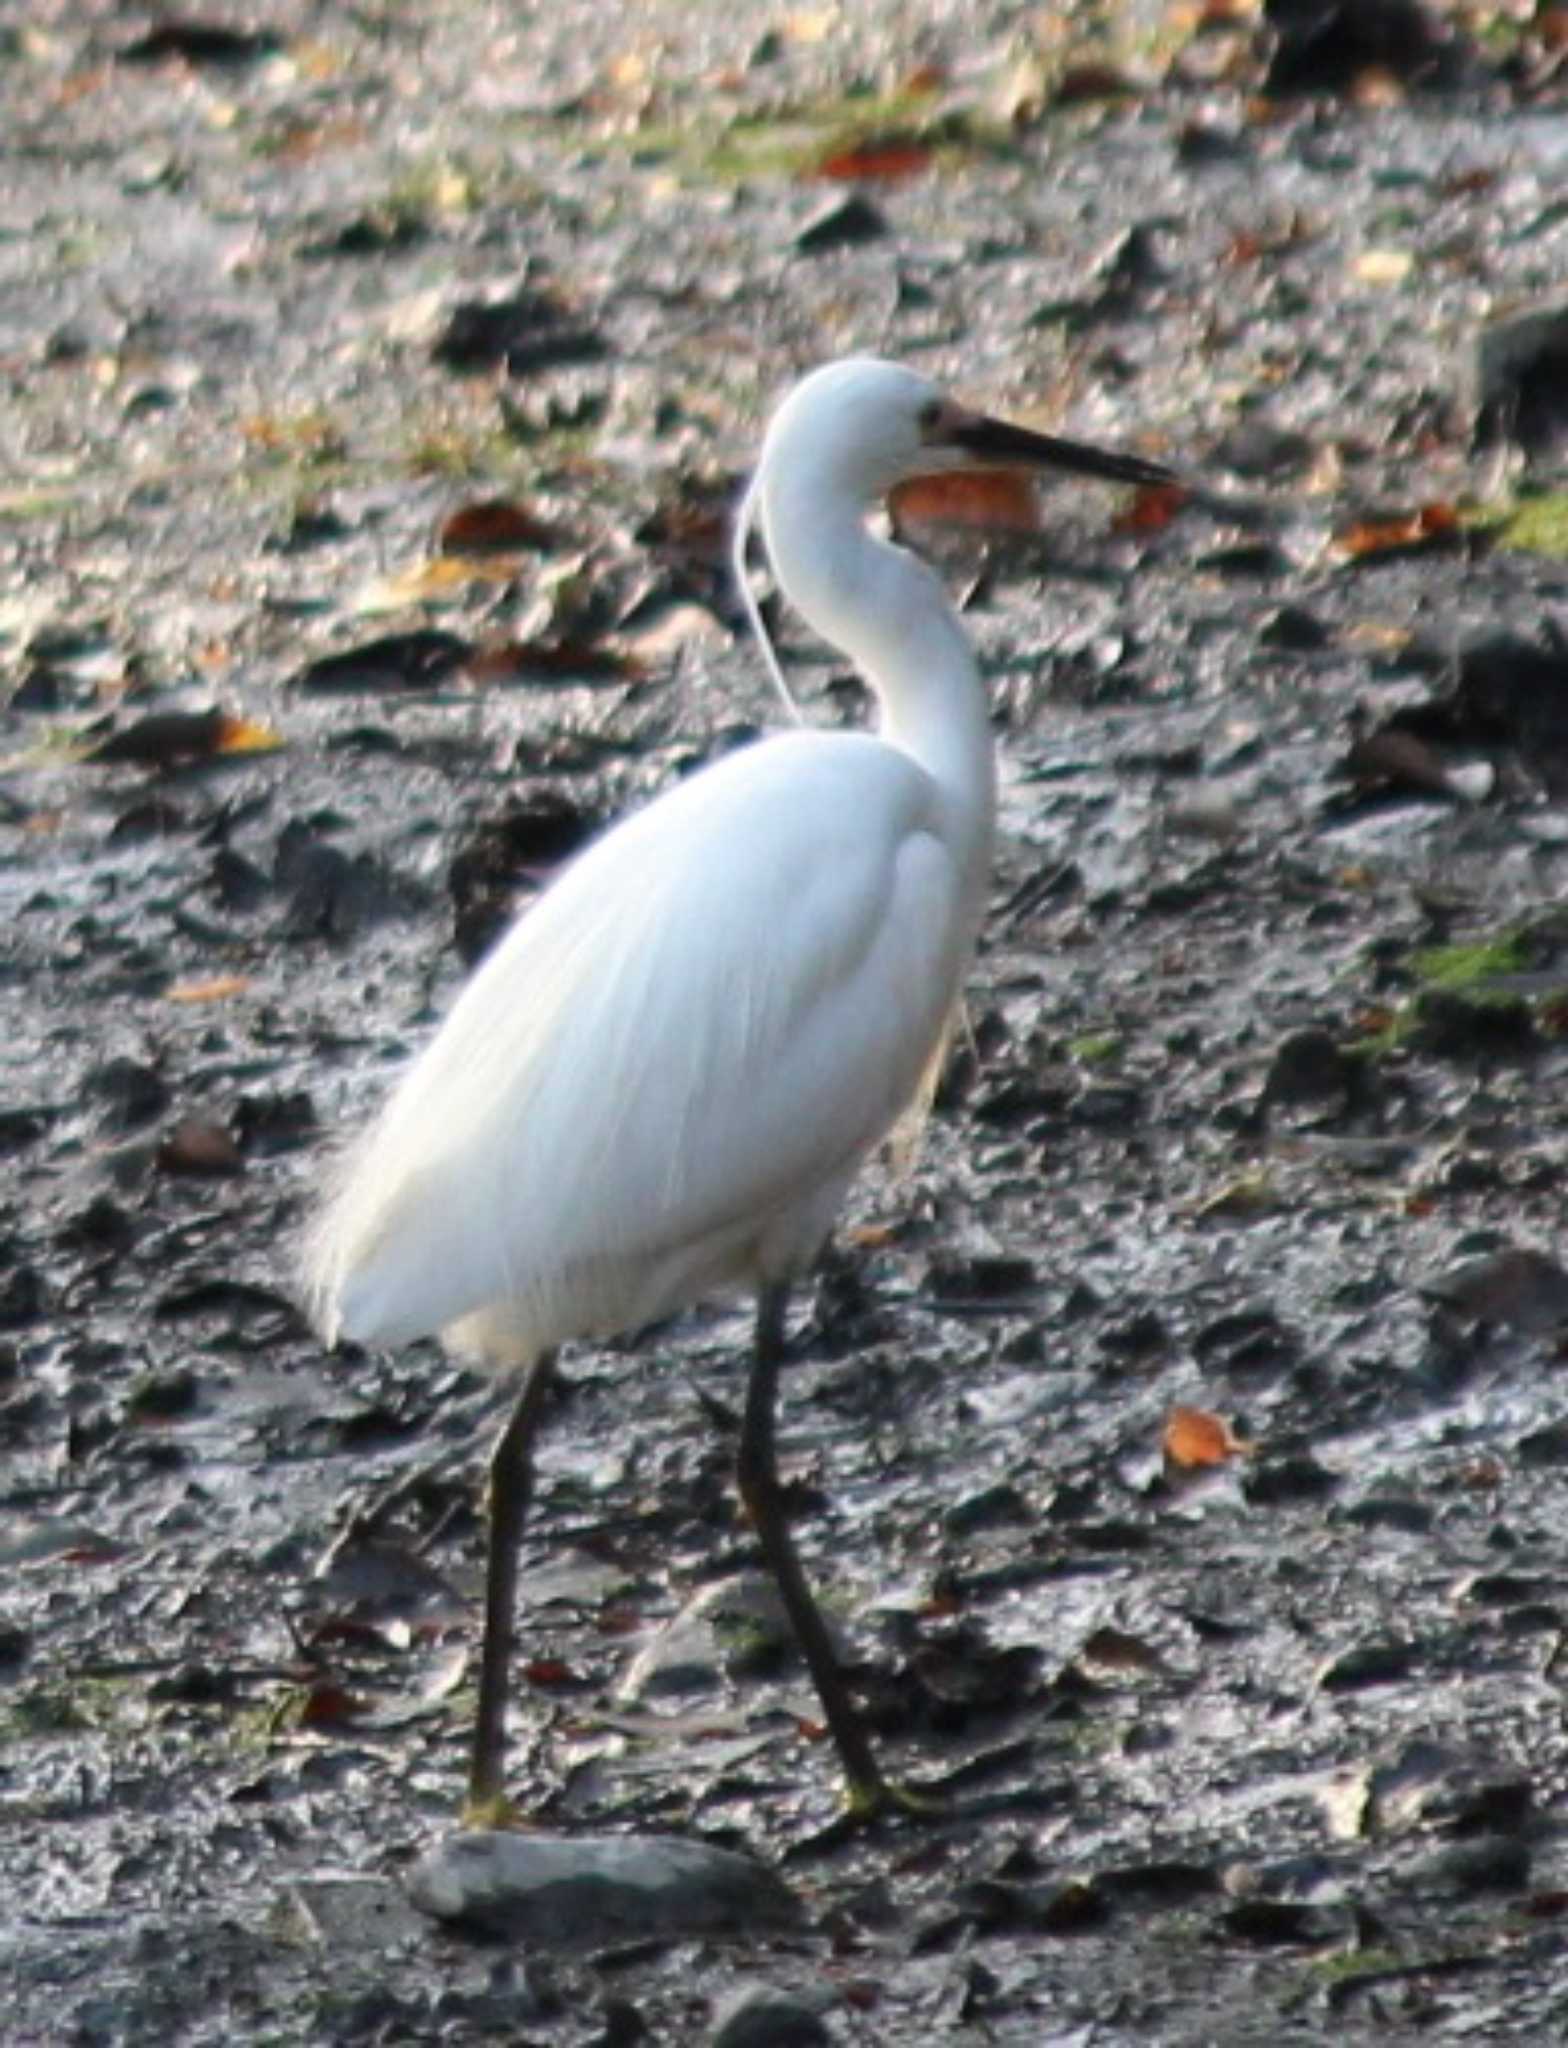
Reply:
x=878, y=159
x=1427, y=526
x=198, y=1147
x=247, y=736
x=988, y=500
x=1194, y=1437
x=550, y=1671
x=327, y=1705
x=1150, y=509
x=216, y=989
x=492, y=524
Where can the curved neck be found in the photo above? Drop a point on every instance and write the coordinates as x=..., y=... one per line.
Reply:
x=890, y=615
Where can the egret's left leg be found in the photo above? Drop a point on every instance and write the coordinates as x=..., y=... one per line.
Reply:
x=758, y=1478
x=511, y=1483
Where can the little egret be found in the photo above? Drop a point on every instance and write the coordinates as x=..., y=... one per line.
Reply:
x=660, y=1084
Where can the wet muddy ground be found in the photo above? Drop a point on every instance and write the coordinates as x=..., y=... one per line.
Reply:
x=375, y=388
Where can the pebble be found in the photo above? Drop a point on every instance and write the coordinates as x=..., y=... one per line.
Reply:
x=571, y=1892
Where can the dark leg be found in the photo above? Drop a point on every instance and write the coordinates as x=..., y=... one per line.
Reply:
x=759, y=1489
x=511, y=1481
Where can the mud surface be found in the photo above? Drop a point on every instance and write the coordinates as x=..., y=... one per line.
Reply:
x=1261, y=1116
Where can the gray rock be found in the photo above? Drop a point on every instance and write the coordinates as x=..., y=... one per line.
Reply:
x=569, y=1892
x=731, y=1629
x=758, y=2016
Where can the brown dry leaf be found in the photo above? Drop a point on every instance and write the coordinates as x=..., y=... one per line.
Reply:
x=1151, y=509
x=199, y=1147
x=217, y=988
x=1433, y=525
x=1195, y=1437
x=876, y=159
x=490, y=524
x=327, y=1705
x=551, y=1671
x=990, y=500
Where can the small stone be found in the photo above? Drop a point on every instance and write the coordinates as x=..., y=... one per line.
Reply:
x=730, y=1629
x=758, y=2016
x=560, y=1891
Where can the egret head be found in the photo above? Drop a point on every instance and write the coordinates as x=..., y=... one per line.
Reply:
x=862, y=425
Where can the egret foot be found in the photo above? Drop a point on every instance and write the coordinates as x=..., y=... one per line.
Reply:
x=488, y=1815
x=872, y=1799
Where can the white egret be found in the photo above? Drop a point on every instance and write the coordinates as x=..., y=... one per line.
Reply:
x=660, y=1084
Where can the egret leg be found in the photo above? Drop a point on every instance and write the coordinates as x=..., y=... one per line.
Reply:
x=511, y=1483
x=758, y=1479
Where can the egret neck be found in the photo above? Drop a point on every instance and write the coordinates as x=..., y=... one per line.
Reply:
x=888, y=612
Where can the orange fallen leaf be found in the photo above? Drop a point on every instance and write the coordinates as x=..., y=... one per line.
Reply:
x=1195, y=1437
x=217, y=988
x=994, y=500
x=879, y=159
x=246, y=736
x=163, y=738
x=1431, y=525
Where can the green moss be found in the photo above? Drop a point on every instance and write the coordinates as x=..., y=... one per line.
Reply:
x=1469, y=967
x=1536, y=526
x=1096, y=1048
x=788, y=141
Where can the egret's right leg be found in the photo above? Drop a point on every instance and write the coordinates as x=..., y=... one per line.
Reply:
x=511, y=1483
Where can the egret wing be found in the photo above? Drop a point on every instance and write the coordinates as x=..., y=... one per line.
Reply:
x=674, y=1059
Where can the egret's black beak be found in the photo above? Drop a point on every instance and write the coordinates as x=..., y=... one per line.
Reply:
x=999, y=441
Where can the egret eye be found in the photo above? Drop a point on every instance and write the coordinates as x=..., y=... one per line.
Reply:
x=930, y=415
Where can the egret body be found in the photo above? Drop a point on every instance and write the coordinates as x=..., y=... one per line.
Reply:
x=662, y=1081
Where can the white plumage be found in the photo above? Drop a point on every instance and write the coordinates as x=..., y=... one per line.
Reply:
x=661, y=1082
